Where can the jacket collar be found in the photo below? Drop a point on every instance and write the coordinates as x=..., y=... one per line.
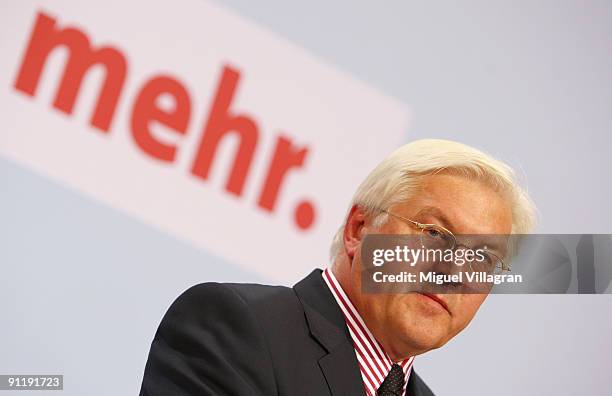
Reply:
x=327, y=326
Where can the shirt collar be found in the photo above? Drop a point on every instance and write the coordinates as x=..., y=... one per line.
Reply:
x=374, y=363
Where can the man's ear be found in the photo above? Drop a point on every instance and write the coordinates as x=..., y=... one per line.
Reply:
x=353, y=231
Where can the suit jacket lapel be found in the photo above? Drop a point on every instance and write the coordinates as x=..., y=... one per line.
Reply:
x=416, y=386
x=327, y=326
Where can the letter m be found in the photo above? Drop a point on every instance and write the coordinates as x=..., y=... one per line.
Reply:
x=45, y=37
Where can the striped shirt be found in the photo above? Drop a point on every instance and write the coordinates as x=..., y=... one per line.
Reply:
x=374, y=363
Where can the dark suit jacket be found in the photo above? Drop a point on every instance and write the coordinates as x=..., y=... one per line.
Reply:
x=247, y=339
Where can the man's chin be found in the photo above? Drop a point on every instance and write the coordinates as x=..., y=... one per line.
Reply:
x=418, y=339
x=428, y=342
x=427, y=329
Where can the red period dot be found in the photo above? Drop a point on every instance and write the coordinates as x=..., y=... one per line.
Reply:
x=304, y=215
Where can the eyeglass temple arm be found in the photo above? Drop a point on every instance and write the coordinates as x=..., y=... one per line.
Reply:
x=416, y=223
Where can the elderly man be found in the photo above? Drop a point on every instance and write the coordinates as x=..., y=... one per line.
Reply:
x=325, y=336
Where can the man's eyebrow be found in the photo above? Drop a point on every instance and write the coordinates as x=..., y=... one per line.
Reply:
x=437, y=213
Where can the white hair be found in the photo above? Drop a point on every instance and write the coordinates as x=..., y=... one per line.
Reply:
x=398, y=175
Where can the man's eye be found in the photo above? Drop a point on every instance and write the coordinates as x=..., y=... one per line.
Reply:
x=433, y=233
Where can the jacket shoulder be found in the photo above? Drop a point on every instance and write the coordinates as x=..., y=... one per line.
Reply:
x=251, y=294
x=264, y=302
x=207, y=343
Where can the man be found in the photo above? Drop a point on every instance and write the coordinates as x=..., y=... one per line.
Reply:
x=324, y=336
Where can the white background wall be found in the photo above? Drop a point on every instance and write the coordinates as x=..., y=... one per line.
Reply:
x=526, y=81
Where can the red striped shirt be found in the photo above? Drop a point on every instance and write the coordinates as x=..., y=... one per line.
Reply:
x=374, y=363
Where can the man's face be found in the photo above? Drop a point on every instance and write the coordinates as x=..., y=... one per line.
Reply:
x=412, y=323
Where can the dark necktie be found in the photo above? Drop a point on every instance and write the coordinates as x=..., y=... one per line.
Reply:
x=393, y=385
